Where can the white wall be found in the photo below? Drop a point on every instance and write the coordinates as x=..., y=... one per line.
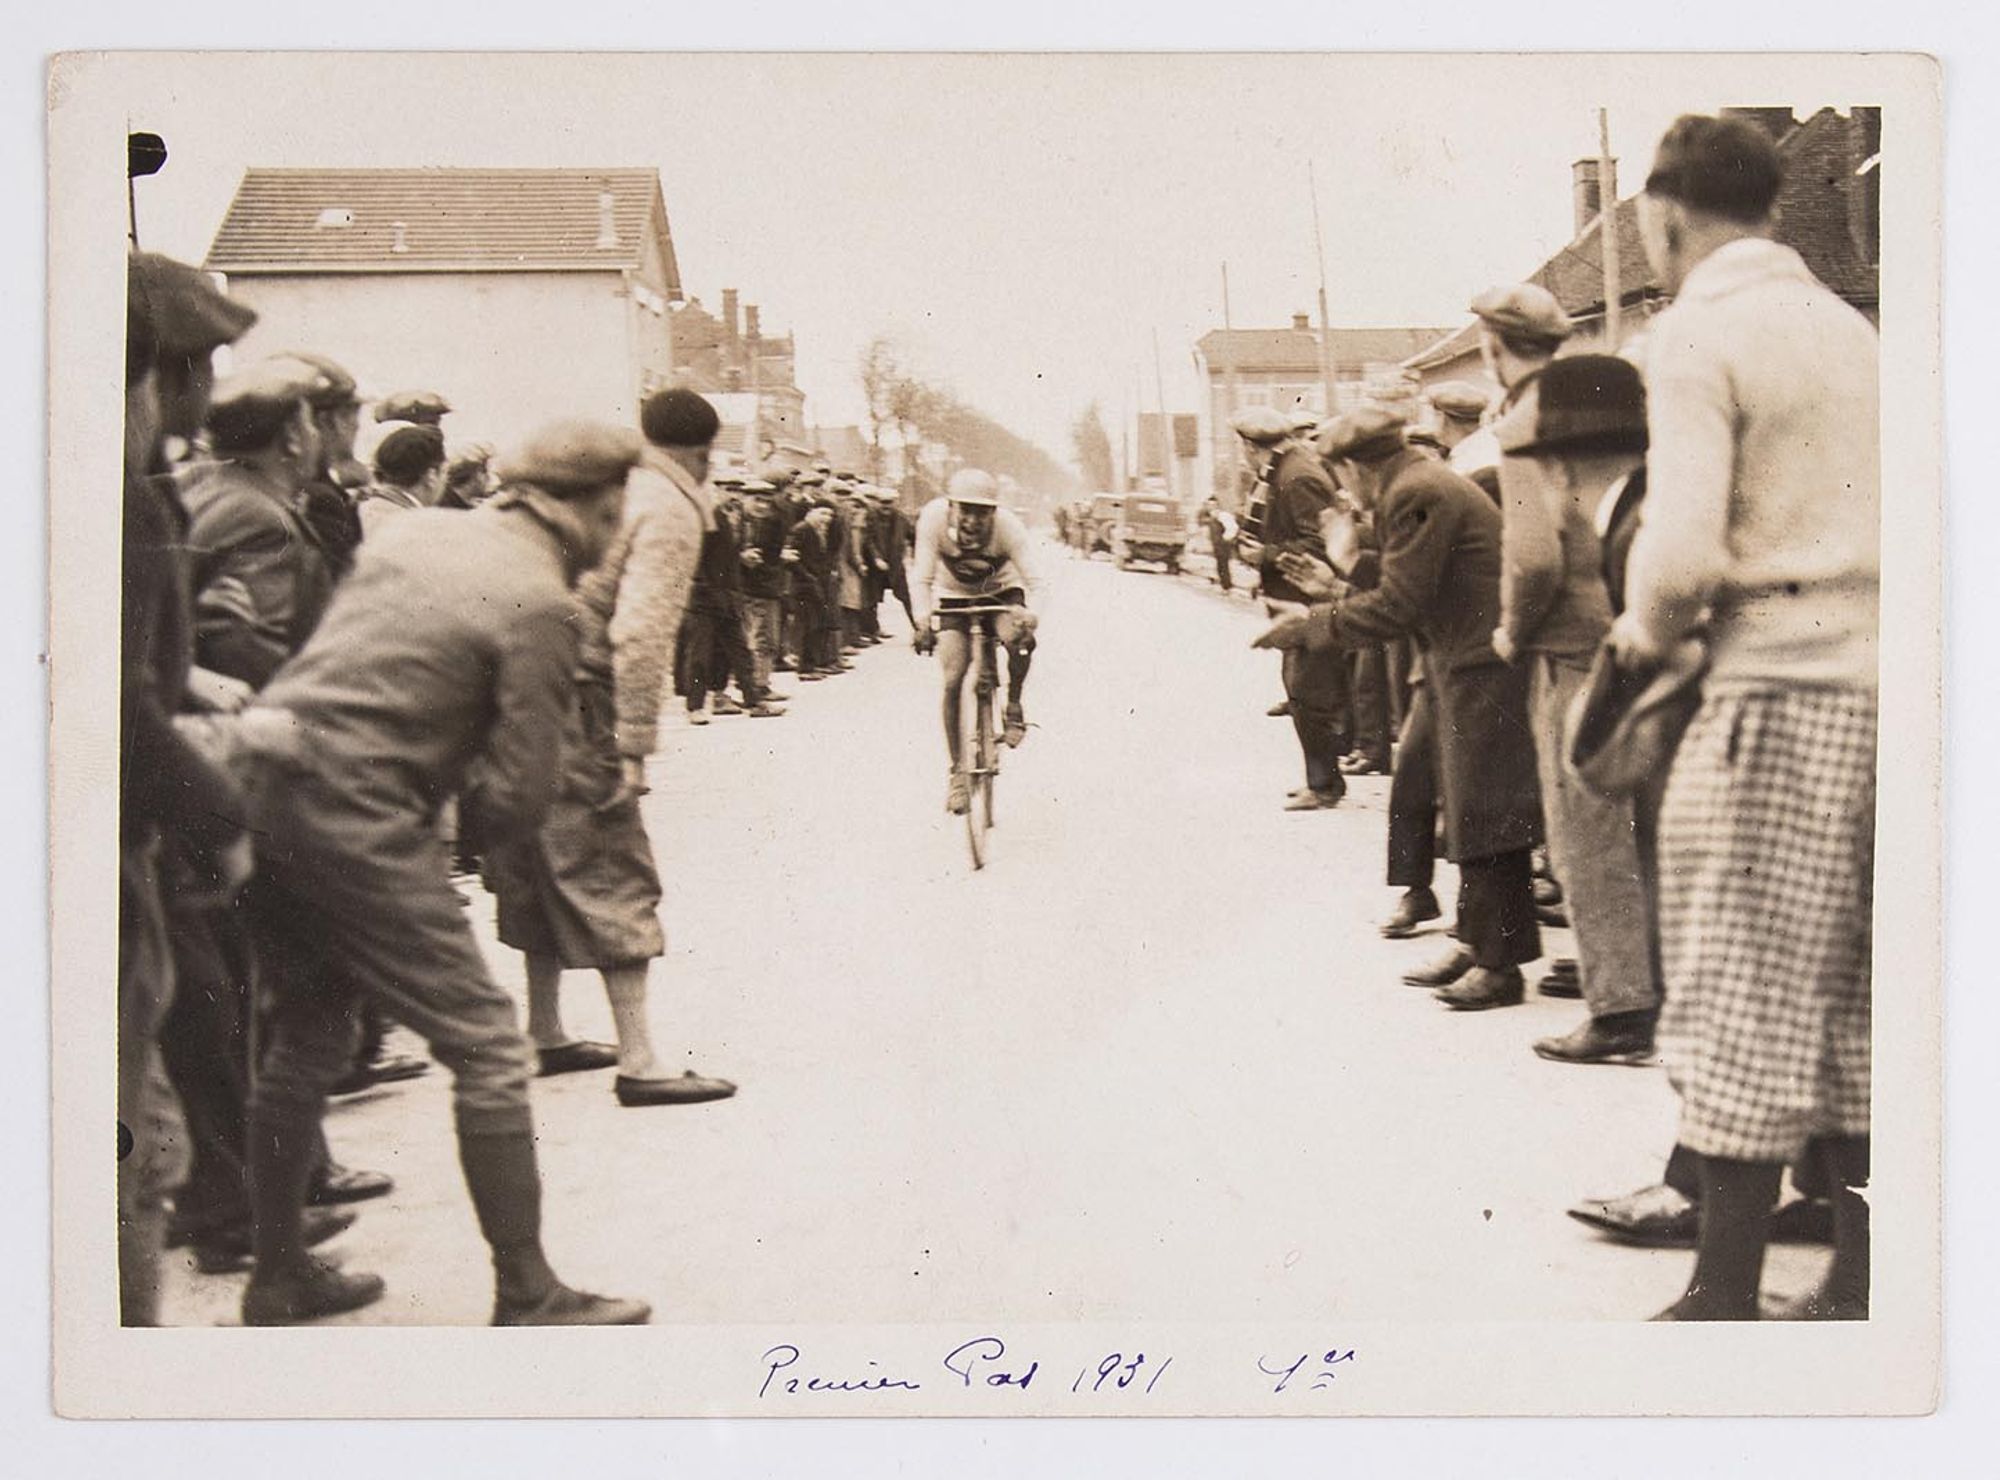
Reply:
x=508, y=350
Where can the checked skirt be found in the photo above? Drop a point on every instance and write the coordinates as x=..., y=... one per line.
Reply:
x=1767, y=854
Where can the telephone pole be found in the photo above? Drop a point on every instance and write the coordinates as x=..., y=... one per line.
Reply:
x=1607, y=215
x=1325, y=331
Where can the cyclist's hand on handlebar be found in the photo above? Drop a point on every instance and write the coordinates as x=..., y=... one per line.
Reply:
x=925, y=641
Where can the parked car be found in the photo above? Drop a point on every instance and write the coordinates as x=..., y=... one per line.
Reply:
x=1150, y=527
x=1103, y=522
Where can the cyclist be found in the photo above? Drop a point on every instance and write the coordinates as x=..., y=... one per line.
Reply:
x=972, y=552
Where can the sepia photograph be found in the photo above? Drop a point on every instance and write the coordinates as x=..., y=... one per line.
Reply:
x=996, y=734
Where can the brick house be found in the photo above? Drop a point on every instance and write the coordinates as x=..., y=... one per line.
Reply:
x=743, y=371
x=518, y=294
x=1829, y=211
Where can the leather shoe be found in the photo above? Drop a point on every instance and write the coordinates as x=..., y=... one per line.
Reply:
x=387, y=1069
x=687, y=1089
x=1482, y=987
x=1656, y=1217
x=563, y=1306
x=1562, y=979
x=1280, y=710
x=314, y=1290
x=1312, y=801
x=1552, y=915
x=1443, y=971
x=1595, y=1041
x=575, y=1058
x=339, y=1184
x=1413, y=909
x=226, y=1250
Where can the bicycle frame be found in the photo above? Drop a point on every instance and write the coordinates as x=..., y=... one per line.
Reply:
x=982, y=756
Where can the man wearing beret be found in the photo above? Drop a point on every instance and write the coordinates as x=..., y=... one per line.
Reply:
x=583, y=893
x=1315, y=679
x=453, y=643
x=1589, y=425
x=169, y=794
x=1439, y=580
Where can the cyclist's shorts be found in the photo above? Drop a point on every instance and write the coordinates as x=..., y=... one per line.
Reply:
x=951, y=619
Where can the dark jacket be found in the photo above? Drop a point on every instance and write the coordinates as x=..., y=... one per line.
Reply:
x=1439, y=580
x=815, y=564
x=1438, y=577
x=260, y=580
x=765, y=533
x=164, y=785
x=1619, y=532
x=1301, y=491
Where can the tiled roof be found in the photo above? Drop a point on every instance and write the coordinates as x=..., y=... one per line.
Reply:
x=439, y=220
x=1298, y=349
x=1813, y=220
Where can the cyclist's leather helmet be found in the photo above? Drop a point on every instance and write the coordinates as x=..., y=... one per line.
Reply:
x=973, y=487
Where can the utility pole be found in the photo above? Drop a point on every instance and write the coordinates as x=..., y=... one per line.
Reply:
x=1166, y=426
x=1607, y=215
x=1325, y=330
x=1228, y=350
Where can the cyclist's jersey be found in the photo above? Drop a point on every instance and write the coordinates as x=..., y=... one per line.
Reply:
x=943, y=570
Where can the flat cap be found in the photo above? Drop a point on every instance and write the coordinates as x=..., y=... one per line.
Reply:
x=425, y=408
x=758, y=485
x=173, y=311
x=335, y=389
x=1461, y=400
x=251, y=406
x=1364, y=434
x=781, y=477
x=1261, y=424
x=1304, y=419
x=812, y=477
x=567, y=458
x=1524, y=308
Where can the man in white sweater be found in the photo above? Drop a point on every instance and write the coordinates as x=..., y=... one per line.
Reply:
x=1762, y=526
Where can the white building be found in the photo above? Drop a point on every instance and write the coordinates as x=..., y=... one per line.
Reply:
x=517, y=294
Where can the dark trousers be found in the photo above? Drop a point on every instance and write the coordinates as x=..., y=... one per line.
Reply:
x=899, y=586
x=718, y=654
x=819, y=639
x=1316, y=686
x=205, y=1041
x=1369, y=677
x=1224, y=551
x=1413, y=796
x=1496, y=909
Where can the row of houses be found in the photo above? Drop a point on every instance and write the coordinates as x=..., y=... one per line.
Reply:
x=1829, y=210
x=519, y=294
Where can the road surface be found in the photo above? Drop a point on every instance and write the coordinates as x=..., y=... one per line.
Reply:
x=1153, y=1061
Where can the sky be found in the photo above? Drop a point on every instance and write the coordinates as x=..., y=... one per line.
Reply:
x=1023, y=228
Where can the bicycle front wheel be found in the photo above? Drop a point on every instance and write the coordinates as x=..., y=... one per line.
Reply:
x=979, y=810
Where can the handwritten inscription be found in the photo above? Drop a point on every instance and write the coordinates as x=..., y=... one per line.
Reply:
x=986, y=1363
x=1322, y=1378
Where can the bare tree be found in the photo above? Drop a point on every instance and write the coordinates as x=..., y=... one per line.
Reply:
x=879, y=376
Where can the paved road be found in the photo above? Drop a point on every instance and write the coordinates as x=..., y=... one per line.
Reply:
x=1153, y=1061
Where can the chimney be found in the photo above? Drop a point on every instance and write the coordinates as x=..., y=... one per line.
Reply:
x=729, y=314
x=1302, y=322
x=1586, y=194
x=750, y=328
x=607, y=223
x=1776, y=122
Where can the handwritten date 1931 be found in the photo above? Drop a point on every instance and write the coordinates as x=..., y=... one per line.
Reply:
x=1120, y=1371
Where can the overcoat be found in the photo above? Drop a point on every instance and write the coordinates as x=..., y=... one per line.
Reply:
x=260, y=579
x=1439, y=581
